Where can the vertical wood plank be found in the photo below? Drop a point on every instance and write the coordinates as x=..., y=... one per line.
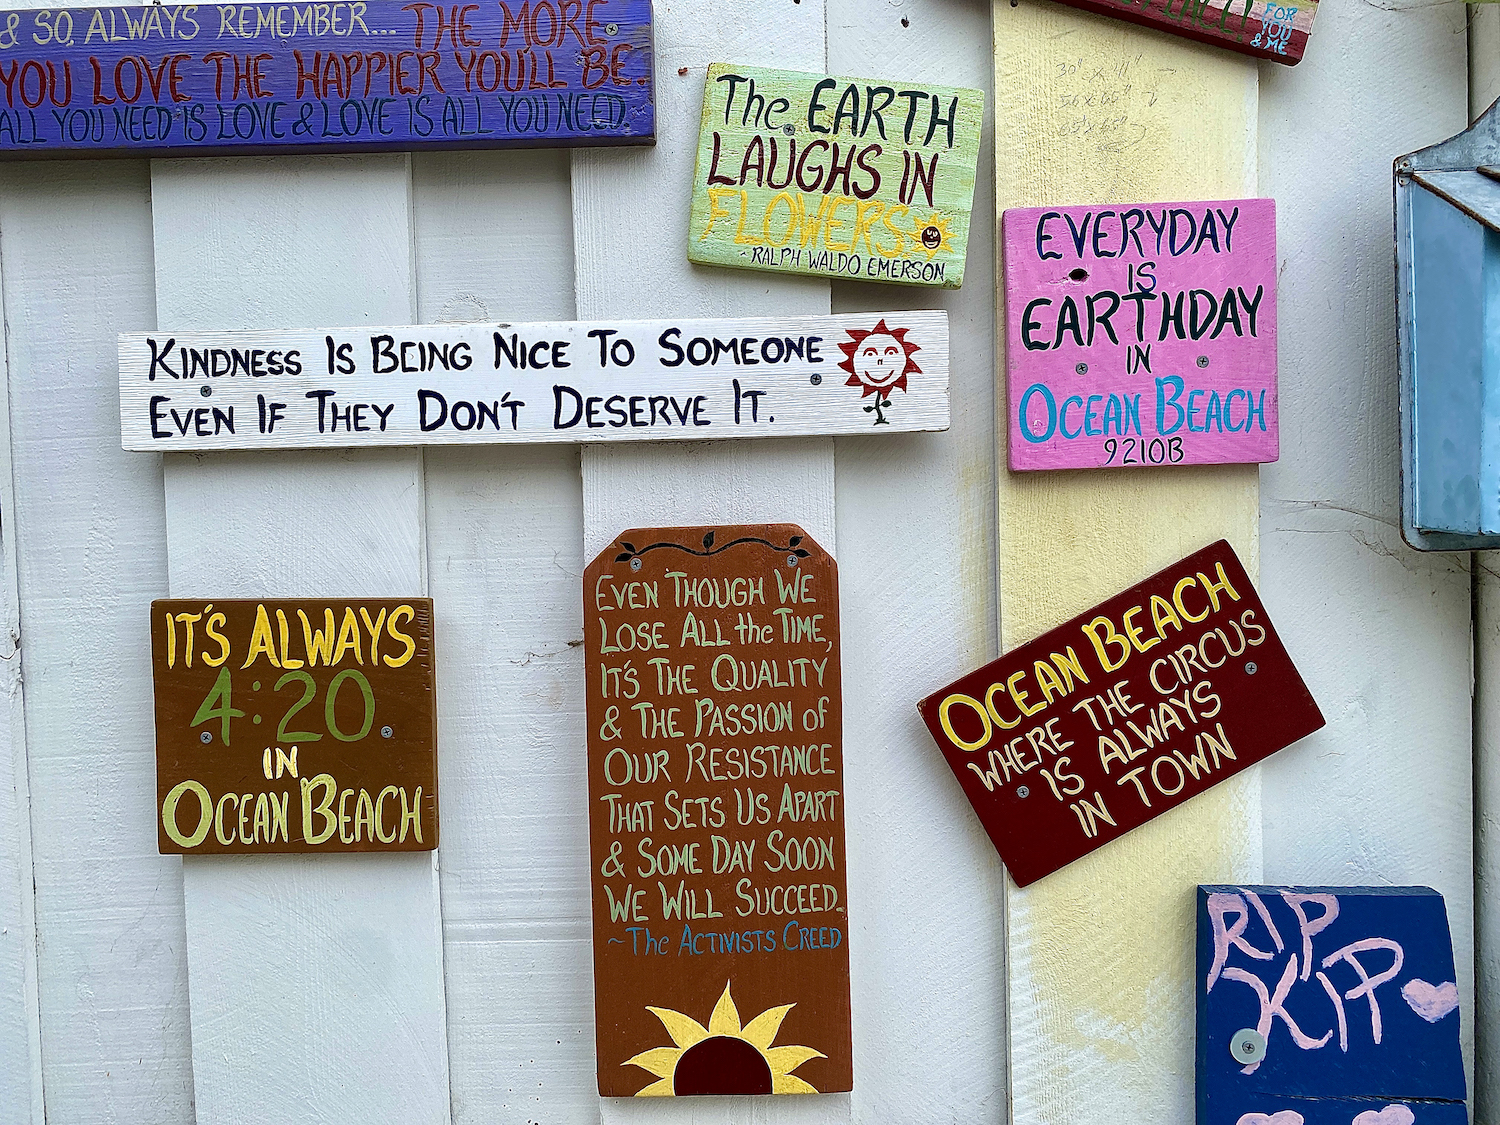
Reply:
x=1100, y=954
x=112, y=971
x=1383, y=632
x=494, y=240
x=630, y=229
x=647, y=194
x=1484, y=87
x=315, y=981
x=20, y=1014
x=916, y=519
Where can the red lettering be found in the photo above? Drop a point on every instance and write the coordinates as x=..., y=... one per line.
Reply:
x=305, y=76
x=616, y=63
x=419, y=9
x=570, y=11
x=595, y=59
x=430, y=62
x=400, y=72
x=511, y=22
x=8, y=78
x=99, y=98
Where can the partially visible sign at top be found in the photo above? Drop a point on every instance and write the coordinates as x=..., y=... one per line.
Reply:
x=1262, y=28
x=478, y=384
x=366, y=75
x=835, y=177
x=1141, y=334
x=1128, y=710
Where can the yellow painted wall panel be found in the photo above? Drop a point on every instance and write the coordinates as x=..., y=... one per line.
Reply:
x=1093, y=110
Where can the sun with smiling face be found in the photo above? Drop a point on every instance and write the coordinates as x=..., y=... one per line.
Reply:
x=932, y=235
x=724, y=1057
x=879, y=360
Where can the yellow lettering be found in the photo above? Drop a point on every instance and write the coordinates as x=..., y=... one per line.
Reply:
x=1101, y=644
x=1020, y=696
x=319, y=643
x=1212, y=588
x=1161, y=613
x=968, y=701
x=1048, y=680
x=1133, y=631
x=284, y=630
x=211, y=632
x=400, y=613
x=380, y=834
x=323, y=807
x=739, y=235
x=374, y=627
x=1177, y=598
x=169, y=814
x=260, y=639
x=413, y=816
x=349, y=637
x=715, y=210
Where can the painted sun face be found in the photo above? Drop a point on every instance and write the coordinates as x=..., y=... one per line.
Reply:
x=933, y=235
x=724, y=1057
x=880, y=359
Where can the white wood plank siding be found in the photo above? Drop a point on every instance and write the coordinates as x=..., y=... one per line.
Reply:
x=494, y=241
x=315, y=982
x=1380, y=632
x=20, y=1015
x=1484, y=87
x=916, y=525
x=499, y=537
x=90, y=544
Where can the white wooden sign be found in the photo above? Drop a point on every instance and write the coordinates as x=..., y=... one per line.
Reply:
x=564, y=382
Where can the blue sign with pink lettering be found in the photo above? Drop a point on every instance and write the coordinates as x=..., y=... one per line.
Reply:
x=1327, y=1006
x=361, y=76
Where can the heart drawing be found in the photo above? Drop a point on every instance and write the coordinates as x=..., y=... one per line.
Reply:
x=1285, y=1117
x=1390, y=1115
x=1430, y=1001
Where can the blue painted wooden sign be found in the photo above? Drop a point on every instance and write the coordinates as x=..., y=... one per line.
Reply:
x=367, y=75
x=1327, y=1006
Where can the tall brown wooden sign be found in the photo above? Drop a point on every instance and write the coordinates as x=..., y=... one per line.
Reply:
x=716, y=814
x=294, y=726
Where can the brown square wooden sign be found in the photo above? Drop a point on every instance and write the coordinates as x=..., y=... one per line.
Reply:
x=716, y=813
x=1128, y=710
x=304, y=725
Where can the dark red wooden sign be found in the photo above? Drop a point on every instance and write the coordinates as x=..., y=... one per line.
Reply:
x=1266, y=29
x=1126, y=711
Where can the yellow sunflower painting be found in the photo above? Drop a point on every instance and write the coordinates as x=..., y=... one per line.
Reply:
x=724, y=1057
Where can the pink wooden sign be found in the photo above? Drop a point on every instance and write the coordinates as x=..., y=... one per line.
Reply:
x=1141, y=334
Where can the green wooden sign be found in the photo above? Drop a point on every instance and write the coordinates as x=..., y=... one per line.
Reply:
x=835, y=177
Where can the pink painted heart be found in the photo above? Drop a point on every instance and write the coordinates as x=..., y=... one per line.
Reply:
x=1390, y=1115
x=1285, y=1117
x=1430, y=1001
